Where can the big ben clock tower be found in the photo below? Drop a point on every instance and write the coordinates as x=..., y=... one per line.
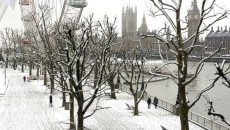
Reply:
x=193, y=18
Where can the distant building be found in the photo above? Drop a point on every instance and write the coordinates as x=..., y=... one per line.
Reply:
x=129, y=23
x=193, y=19
x=215, y=38
x=130, y=35
x=132, y=38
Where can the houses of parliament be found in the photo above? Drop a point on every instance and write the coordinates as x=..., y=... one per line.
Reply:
x=131, y=34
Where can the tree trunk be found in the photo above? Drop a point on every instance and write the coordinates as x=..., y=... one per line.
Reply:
x=37, y=71
x=183, y=109
x=22, y=68
x=113, y=95
x=95, y=75
x=30, y=73
x=52, y=78
x=51, y=83
x=7, y=62
x=72, y=124
x=14, y=64
x=33, y=65
x=111, y=84
x=80, y=121
x=63, y=92
x=135, y=105
x=45, y=76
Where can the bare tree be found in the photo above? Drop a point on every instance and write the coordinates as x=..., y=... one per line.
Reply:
x=78, y=62
x=7, y=43
x=106, y=32
x=223, y=72
x=132, y=71
x=182, y=48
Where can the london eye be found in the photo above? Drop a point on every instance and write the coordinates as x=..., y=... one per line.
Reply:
x=61, y=12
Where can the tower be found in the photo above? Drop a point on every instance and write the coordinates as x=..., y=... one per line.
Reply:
x=168, y=33
x=143, y=28
x=193, y=18
x=129, y=23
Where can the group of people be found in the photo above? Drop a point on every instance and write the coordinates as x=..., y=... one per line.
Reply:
x=155, y=102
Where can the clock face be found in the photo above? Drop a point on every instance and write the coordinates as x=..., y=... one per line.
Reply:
x=196, y=16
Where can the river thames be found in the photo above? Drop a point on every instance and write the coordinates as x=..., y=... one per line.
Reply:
x=220, y=94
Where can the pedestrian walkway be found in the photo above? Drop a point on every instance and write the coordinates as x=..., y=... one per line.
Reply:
x=24, y=107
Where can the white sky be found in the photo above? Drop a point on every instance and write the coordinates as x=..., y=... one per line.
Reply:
x=113, y=8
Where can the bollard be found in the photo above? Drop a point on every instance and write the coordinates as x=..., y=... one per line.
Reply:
x=176, y=109
x=67, y=106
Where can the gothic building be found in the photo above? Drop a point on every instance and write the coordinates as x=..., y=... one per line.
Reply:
x=193, y=21
x=129, y=23
x=193, y=18
x=215, y=38
x=130, y=34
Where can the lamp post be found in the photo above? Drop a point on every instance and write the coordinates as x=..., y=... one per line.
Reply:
x=5, y=70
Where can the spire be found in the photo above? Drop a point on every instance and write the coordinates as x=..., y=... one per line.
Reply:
x=218, y=29
x=211, y=30
x=135, y=9
x=168, y=33
x=143, y=19
x=143, y=27
x=194, y=5
x=225, y=30
x=168, y=30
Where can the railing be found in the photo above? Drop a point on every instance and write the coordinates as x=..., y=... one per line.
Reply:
x=207, y=123
x=193, y=117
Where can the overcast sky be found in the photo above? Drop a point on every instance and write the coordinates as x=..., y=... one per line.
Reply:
x=112, y=8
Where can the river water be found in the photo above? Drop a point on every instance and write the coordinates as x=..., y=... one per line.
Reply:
x=220, y=94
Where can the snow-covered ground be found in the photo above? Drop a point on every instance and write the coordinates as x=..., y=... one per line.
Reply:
x=25, y=106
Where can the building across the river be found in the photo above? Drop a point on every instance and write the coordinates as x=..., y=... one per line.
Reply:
x=215, y=38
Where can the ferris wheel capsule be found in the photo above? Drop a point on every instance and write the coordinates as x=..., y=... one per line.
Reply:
x=26, y=2
x=25, y=41
x=78, y=3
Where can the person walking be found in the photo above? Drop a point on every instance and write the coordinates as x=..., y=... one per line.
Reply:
x=149, y=102
x=28, y=79
x=24, y=78
x=155, y=101
x=51, y=101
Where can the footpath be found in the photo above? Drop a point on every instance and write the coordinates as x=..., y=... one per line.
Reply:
x=25, y=106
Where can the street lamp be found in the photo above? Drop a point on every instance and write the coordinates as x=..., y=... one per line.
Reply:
x=5, y=69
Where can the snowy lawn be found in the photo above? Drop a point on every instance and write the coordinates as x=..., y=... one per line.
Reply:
x=25, y=106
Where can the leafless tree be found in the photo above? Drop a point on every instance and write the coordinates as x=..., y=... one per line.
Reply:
x=106, y=32
x=7, y=43
x=78, y=62
x=223, y=72
x=132, y=71
x=182, y=48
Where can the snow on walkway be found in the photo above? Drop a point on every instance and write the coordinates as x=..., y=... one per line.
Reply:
x=25, y=107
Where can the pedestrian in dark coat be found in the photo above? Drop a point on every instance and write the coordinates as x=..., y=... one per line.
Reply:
x=24, y=78
x=155, y=101
x=51, y=100
x=149, y=102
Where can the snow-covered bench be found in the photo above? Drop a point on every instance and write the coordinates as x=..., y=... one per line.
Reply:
x=163, y=128
x=130, y=107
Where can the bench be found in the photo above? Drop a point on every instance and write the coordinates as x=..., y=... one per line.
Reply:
x=163, y=128
x=130, y=107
